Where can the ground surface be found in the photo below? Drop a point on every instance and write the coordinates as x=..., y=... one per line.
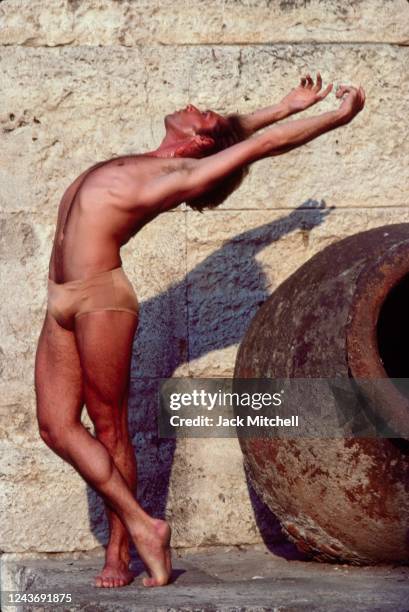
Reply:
x=245, y=579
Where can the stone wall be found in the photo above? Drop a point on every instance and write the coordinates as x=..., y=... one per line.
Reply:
x=85, y=80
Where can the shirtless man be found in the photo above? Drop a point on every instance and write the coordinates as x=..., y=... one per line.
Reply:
x=84, y=350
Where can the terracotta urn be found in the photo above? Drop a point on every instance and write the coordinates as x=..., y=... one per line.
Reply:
x=343, y=314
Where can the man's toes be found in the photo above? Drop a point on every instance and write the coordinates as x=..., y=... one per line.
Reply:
x=110, y=582
x=98, y=581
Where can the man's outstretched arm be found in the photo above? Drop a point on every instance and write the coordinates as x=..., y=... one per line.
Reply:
x=196, y=176
x=303, y=96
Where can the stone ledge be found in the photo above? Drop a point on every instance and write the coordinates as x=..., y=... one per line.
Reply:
x=245, y=578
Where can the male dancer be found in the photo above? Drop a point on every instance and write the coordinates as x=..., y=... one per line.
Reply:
x=84, y=350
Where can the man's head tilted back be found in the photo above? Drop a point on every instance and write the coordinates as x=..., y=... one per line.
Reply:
x=199, y=134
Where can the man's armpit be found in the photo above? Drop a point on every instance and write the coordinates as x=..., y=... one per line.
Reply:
x=180, y=165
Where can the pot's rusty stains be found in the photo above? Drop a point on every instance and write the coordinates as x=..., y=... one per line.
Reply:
x=338, y=499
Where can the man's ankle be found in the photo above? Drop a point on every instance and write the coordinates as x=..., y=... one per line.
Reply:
x=115, y=553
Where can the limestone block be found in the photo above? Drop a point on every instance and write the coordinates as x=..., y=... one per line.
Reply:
x=63, y=109
x=43, y=503
x=361, y=164
x=136, y=22
x=199, y=484
x=209, y=501
x=18, y=425
x=235, y=261
x=155, y=263
x=65, y=113
x=24, y=243
x=186, y=478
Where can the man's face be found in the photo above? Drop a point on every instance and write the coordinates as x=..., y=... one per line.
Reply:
x=190, y=121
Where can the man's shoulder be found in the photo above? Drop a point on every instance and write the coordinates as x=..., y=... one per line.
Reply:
x=128, y=181
x=116, y=180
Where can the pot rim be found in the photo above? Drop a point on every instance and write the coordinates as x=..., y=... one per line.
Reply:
x=364, y=360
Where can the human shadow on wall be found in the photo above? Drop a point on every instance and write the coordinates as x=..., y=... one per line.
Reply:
x=215, y=302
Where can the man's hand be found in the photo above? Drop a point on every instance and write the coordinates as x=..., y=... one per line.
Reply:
x=300, y=98
x=306, y=94
x=352, y=104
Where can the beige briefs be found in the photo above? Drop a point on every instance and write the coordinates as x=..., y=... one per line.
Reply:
x=108, y=290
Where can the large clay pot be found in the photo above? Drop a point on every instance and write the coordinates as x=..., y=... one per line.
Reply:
x=345, y=313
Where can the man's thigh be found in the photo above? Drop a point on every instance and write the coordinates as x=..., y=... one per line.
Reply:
x=104, y=339
x=58, y=376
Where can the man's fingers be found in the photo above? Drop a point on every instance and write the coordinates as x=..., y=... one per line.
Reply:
x=342, y=89
x=303, y=82
x=358, y=91
x=326, y=91
x=318, y=86
x=310, y=82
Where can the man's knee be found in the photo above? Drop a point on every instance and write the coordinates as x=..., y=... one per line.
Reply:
x=54, y=436
x=48, y=435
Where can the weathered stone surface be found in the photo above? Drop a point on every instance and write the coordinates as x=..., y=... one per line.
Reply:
x=42, y=502
x=24, y=243
x=137, y=22
x=45, y=505
x=237, y=258
x=247, y=578
x=155, y=263
x=208, y=500
x=62, y=109
x=17, y=414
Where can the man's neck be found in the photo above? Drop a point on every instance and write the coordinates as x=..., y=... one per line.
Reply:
x=175, y=148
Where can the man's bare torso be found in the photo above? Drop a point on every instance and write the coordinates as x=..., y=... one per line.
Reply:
x=99, y=213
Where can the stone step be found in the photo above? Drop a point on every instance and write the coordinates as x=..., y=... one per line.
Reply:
x=246, y=579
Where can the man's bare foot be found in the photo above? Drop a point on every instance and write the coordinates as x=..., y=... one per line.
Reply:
x=115, y=572
x=153, y=546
